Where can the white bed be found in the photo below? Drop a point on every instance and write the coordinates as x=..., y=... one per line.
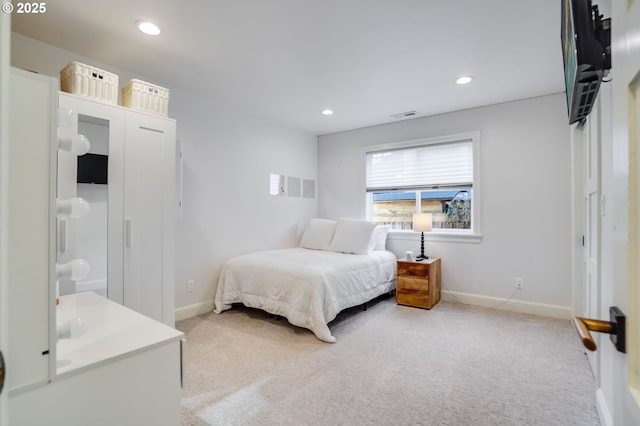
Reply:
x=309, y=287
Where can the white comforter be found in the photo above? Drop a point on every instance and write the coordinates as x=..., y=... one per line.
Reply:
x=308, y=287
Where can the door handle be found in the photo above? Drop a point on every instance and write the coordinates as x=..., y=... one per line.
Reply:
x=1, y=371
x=616, y=328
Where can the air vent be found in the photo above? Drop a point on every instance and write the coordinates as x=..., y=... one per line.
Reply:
x=404, y=115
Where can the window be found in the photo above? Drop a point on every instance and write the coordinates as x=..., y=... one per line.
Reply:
x=436, y=176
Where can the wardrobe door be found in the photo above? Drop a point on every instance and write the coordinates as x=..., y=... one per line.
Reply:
x=149, y=216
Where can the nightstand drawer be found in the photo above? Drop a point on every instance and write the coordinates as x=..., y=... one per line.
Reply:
x=412, y=283
x=412, y=269
x=413, y=298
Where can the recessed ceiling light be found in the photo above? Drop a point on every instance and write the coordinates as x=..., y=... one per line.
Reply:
x=463, y=80
x=327, y=112
x=148, y=27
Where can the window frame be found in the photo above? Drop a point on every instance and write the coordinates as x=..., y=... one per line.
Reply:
x=472, y=235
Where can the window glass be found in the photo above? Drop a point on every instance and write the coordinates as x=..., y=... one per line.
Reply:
x=394, y=208
x=451, y=208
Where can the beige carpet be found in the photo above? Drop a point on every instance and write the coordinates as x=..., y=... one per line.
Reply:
x=391, y=365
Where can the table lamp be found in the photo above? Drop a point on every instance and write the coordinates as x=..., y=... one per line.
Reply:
x=422, y=224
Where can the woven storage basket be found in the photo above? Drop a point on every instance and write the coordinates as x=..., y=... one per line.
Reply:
x=146, y=97
x=89, y=81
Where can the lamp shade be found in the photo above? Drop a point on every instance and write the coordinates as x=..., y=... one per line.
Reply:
x=422, y=222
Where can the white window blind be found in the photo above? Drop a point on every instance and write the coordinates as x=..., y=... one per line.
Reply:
x=447, y=164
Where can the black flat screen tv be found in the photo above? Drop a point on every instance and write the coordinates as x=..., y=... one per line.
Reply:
x=93, y=168
x=585, y=51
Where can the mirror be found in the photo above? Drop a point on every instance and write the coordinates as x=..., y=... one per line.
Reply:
x=92, y=185
x=84, y=177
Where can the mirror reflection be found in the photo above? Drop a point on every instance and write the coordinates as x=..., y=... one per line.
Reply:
x=85, y=177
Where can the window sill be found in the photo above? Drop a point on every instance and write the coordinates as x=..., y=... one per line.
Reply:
x=447, y=237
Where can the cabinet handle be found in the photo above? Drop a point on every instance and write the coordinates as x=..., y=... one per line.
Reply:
x=128, y=232
x=183, y=362
x=63, y=235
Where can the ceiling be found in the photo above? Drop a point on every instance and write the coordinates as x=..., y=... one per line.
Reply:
x=288, y=60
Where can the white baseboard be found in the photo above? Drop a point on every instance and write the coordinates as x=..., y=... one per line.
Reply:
x=541, y=309
x=185, y=312
x=603, y=409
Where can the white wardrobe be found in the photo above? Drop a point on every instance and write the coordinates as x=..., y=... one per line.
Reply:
x=127, y=238
x=120, y=367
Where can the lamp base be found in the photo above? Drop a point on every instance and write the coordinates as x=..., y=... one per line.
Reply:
x=421, y=256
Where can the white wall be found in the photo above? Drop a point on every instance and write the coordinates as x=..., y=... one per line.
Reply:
x=227, y=209
x=526, y=196
x=228, y=155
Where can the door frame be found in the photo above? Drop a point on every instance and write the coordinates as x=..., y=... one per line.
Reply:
x=585, y=142
x=5, y=60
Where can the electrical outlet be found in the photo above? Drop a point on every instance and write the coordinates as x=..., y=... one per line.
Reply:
x=519, y=282
x=191, y=285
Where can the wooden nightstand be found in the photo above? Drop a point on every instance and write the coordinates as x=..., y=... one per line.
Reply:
x=418, y=283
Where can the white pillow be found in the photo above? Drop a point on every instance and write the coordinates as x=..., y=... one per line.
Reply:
x=379, y=237
x=352, y=236
x=318, y=234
